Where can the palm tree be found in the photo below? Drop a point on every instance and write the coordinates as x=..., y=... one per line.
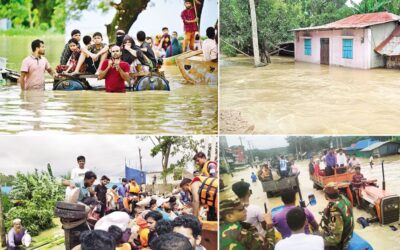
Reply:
x=371, y=6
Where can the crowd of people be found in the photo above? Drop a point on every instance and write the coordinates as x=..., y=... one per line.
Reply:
x=119, y=62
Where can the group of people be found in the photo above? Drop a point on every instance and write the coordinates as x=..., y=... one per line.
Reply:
x=248, y=226
x=150, y=220
x=118, y=62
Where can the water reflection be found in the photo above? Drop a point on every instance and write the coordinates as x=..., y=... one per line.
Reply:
x=290, y=97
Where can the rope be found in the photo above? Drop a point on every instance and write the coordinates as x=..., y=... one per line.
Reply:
x=234, y=47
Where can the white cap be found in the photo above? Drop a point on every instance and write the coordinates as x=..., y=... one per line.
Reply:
x=119, y=219
x=161, y=200
x=145, y=202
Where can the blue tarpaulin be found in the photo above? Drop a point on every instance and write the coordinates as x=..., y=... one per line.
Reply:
x=139, y=176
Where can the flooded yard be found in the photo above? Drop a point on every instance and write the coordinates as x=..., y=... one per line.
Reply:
x=379, y=236
x=185, y=109
x=288, y=97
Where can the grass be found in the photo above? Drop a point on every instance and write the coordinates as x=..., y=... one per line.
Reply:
x=28, y=32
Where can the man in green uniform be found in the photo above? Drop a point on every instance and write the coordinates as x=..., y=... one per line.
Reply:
x=238, y=235
x=337, y=220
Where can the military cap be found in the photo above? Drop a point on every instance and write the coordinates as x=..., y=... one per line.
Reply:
x=229, y=205
x=331, y=188
x=240, y=188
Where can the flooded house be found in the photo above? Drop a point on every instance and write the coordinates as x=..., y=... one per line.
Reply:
x=359, y=41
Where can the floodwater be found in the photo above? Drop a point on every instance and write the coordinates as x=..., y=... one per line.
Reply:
x=185, y=109
x=288, y=97
x=379, y=236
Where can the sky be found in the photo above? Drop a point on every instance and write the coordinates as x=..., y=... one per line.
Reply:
x=259, y=141
x=104, y=154
x=159, y=13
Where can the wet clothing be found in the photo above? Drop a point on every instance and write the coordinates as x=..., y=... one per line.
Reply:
x=66, y=54
x=174, y=49
x=113, y=79
x=15, y=239
x=279, y=221
x=338, y=224
x=189, y=15
x=149, y=53
x=35, y=69
x=357, y=180
x=241, y=236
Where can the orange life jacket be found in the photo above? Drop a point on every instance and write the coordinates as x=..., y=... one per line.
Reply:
x=205, y=170
x=208, y=191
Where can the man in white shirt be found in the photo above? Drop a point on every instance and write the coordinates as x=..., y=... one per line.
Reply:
x=255, y=214
x=78, y=173
x=341, y=158
x=210, y=48
x=371, y=161
x=283, y=167
x=296, y=220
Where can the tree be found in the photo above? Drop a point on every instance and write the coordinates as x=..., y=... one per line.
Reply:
x=254, y=32
x=2, y=228
x=169, y=146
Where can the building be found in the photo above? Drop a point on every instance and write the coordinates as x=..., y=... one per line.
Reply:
x=238, y=154
x=380, y=149
x=355, y=148
x=223, y=142
x=390, y=50
x=350, y=42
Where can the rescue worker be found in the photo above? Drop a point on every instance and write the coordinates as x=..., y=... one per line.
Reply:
x=236, y=234
x=207, y=167
x=204, y=192
x=337, y=220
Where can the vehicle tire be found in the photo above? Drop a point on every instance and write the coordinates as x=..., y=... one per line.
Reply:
x=70, y=206
x=152, y=83
x=69, y=85
x=70, y=214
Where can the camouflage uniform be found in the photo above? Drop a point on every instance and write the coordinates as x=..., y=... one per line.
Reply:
x=337, y=221
x=240, y=235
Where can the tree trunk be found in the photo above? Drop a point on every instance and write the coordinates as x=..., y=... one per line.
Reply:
x=127, y=13
x=165, y=162
x=2, y=229
x=256, y=51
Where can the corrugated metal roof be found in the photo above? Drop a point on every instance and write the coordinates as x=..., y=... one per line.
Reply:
x=376, y=145
x=391, y=45
x=357, y=21
x=361, y=144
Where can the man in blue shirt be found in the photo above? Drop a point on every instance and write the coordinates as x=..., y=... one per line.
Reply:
x=330, y=161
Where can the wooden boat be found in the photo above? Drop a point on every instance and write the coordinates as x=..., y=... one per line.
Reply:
x=168, y=61
x=196, y=70
x=209, y=235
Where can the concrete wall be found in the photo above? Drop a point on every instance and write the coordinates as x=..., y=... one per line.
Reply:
x=361, y=47
x=378, y=34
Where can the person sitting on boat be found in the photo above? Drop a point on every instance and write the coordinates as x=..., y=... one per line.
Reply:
x=207, y=167
x=96, y=52
x=114, y=71
x=174, y=49
x=18, y=236
x=73, y=45
x=33, y=68
x=119, y=37
x=157, y=47
x=146, y=48
x=210, y=49
x=165, y=39
x=67, y=52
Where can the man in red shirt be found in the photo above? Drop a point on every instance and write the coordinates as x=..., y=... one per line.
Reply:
x=189, y=24
x=115, y=71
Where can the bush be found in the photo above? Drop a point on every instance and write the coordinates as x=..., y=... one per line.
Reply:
x=227, y=50
x=33, y=219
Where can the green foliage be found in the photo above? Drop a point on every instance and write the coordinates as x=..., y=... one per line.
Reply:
x=7, y=205
x=276, y=19
x=34, y=196
x=6, y=180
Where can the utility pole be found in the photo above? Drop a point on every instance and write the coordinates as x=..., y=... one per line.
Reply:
x=2, y=228
x=140, y=159
x=256, y=50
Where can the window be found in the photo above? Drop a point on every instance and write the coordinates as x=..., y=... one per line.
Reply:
x=347, y=48
x=307, y=47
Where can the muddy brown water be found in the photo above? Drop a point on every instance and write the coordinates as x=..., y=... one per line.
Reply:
x=288, y=97
x=186, y=109
x=381, y=237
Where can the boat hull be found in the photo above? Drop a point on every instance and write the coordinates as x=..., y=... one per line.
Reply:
x=197, y=71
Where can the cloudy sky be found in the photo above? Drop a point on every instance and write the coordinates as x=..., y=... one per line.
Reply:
x=159, y=13
x=104, y=154
x=260, y=142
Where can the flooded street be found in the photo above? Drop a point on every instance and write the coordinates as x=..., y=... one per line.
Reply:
x=185, y=109
x=288, y=97
x=380, y=237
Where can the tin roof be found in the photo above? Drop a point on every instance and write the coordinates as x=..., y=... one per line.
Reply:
x=376, y=145
x=391, y=45
x=360, y=144
x=357, y=21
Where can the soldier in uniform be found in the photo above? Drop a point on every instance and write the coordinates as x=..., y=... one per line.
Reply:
x=238, y=235
x=337, y=219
